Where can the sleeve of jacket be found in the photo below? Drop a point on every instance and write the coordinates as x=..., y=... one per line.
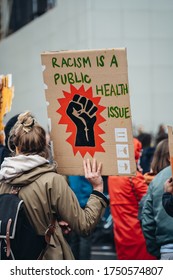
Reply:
x=167, y=202
x=65, y=204
x=148, y=225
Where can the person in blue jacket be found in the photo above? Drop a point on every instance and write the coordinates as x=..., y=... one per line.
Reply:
x=81, y=246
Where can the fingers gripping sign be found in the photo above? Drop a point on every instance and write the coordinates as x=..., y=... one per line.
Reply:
x=87, y=168
x=93, y=174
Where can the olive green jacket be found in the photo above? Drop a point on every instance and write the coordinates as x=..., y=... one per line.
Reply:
x=47, y=194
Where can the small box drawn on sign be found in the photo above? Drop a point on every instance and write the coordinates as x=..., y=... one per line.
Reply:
x=122, y=151
x=123, y=166
x=121, y=135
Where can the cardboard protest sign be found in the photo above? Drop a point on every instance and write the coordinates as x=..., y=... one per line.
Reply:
x=89, y=109
x=170, y=143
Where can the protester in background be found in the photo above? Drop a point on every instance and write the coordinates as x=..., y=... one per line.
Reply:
x=125, y=193
x=4, y=150
x=45, y=193
x=161, y=134
x=81, y=246
x=157, y=225
x=161, y=159
x=147, y=151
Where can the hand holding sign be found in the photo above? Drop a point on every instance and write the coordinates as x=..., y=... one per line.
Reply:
x=82, y=112
x=93, y=174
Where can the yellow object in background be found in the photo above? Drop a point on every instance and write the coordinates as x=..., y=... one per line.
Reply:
x=6, y=96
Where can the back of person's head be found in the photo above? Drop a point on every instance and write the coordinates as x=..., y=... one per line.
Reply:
x=145, y=139
x=161, y=129
x=28, y=136
x=161, y=134
x=161, y=157
x=161, y=137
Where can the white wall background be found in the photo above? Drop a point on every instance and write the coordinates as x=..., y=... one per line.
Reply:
x=143, y=27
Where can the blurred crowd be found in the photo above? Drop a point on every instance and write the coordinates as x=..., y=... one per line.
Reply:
x=135, y=222
x=133, y=214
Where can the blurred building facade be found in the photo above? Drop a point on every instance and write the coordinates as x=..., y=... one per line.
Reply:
x=17, y=13
x=30, y=27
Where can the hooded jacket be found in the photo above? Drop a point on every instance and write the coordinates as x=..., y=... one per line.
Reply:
x=157, y=225
x=47, y=194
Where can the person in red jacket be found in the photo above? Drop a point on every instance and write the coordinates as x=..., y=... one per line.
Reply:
x=125, y=193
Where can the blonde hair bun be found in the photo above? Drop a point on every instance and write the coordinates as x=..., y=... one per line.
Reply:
x=26, y=120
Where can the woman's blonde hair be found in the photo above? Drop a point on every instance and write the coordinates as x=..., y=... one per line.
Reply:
x=28, y=136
